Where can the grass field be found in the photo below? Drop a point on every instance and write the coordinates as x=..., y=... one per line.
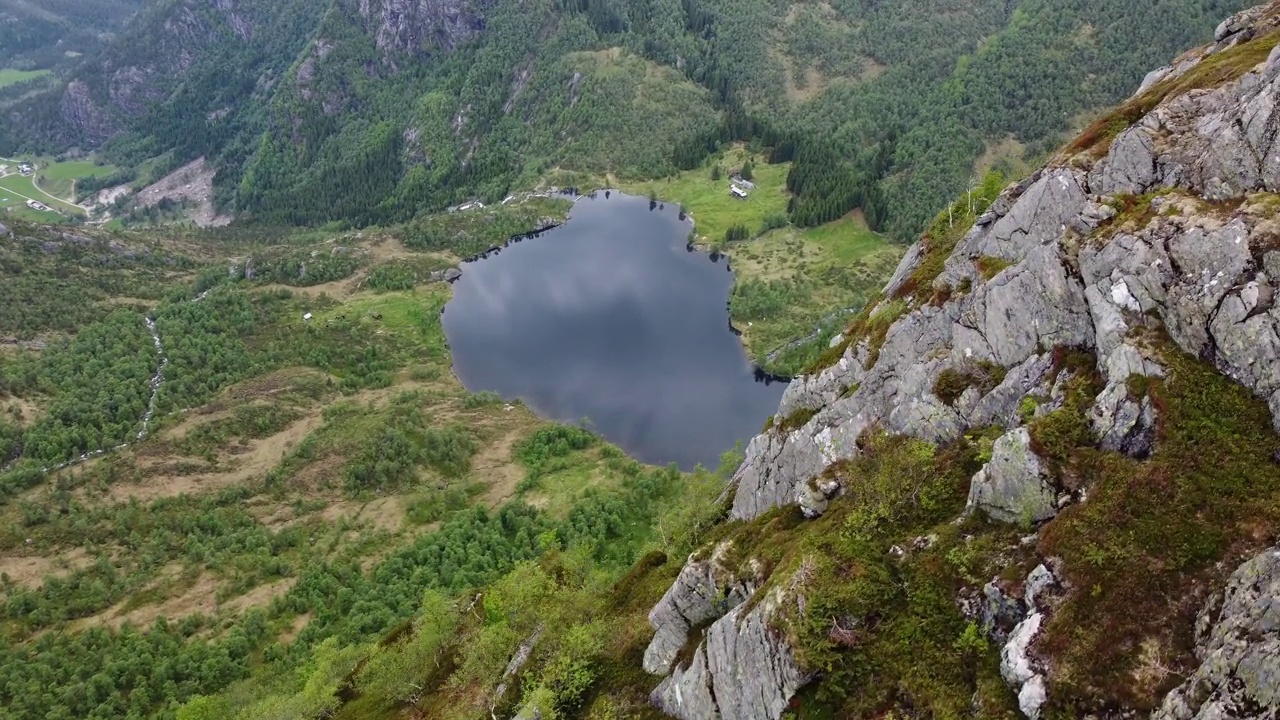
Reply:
x=9, y=76
x=59, y=178
x=708, y=201
x=18, y=188
x=796, y=283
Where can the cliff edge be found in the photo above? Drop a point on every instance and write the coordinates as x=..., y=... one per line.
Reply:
x=1023, y=473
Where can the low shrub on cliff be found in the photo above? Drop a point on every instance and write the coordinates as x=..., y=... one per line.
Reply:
x=953, y=382
x=884, y=629
x=1154, y=535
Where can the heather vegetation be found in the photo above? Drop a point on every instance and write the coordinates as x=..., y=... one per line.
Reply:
x=307, y=490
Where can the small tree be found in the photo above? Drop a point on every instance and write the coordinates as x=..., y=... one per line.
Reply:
x=748, y=172
x=716, y=172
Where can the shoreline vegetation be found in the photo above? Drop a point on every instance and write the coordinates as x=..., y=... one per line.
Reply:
x=786, y=278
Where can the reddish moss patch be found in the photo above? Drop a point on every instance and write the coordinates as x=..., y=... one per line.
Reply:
x=1212, y=72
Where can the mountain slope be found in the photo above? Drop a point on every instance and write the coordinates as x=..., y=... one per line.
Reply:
x=887, y=107
x=1036, y=477
x=41, y=34
x=1088, y=356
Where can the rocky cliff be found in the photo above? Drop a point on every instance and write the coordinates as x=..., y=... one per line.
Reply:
x=1094, y=355
x=423, y=26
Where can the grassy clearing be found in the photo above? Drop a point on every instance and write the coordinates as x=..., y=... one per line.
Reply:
x=708, y=201
x=793, y=285
x=10, y=76
x=18, y=189
x=59, y=178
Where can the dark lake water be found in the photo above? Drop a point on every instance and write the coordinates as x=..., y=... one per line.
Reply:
x=610, y=319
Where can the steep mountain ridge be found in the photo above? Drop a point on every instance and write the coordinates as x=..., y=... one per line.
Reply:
x=1063, y=337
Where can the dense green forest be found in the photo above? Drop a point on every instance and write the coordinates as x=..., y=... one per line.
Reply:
x=104, y=631
x=889, y=107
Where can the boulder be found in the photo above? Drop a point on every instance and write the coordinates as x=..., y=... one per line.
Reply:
x=1239, y=652
x=1014, y=486
x=704, y=590
x=1130, y=165
x=743, y=670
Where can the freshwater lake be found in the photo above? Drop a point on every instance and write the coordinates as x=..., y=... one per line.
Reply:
x=611, y=320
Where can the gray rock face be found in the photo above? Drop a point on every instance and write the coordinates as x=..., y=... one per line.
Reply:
x=1238, y=22
x=1200, y=265
x=1239, y=652
x=423, y=26
x=705, y=590
x=742, y=671
x=1130, y=166
x=80, y=111
x=1220, y=143
x=1014, y=486
x=1036, y=304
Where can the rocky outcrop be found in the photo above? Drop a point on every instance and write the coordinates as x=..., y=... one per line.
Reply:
x=743, y=670
x=1014, y=486
x=1200, y=268
x=704, y=591
x=87, y=119
x=1238, y=645
x=423, y=26
x=1165, y=230
x=997, y=612
x=1037, y=303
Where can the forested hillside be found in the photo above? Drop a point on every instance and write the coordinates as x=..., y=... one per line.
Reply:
x=371, y=112
x=35, y=35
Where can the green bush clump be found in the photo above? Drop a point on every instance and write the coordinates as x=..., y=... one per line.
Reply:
x=990, y=266
x=484, y=398
x=774, y=222
x=306, y=267
x=404, y=274
x=795, y=420
x=541, y=450
x=755, y=300
x=1056, y=435
x=407, y=442
x=736, y=233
